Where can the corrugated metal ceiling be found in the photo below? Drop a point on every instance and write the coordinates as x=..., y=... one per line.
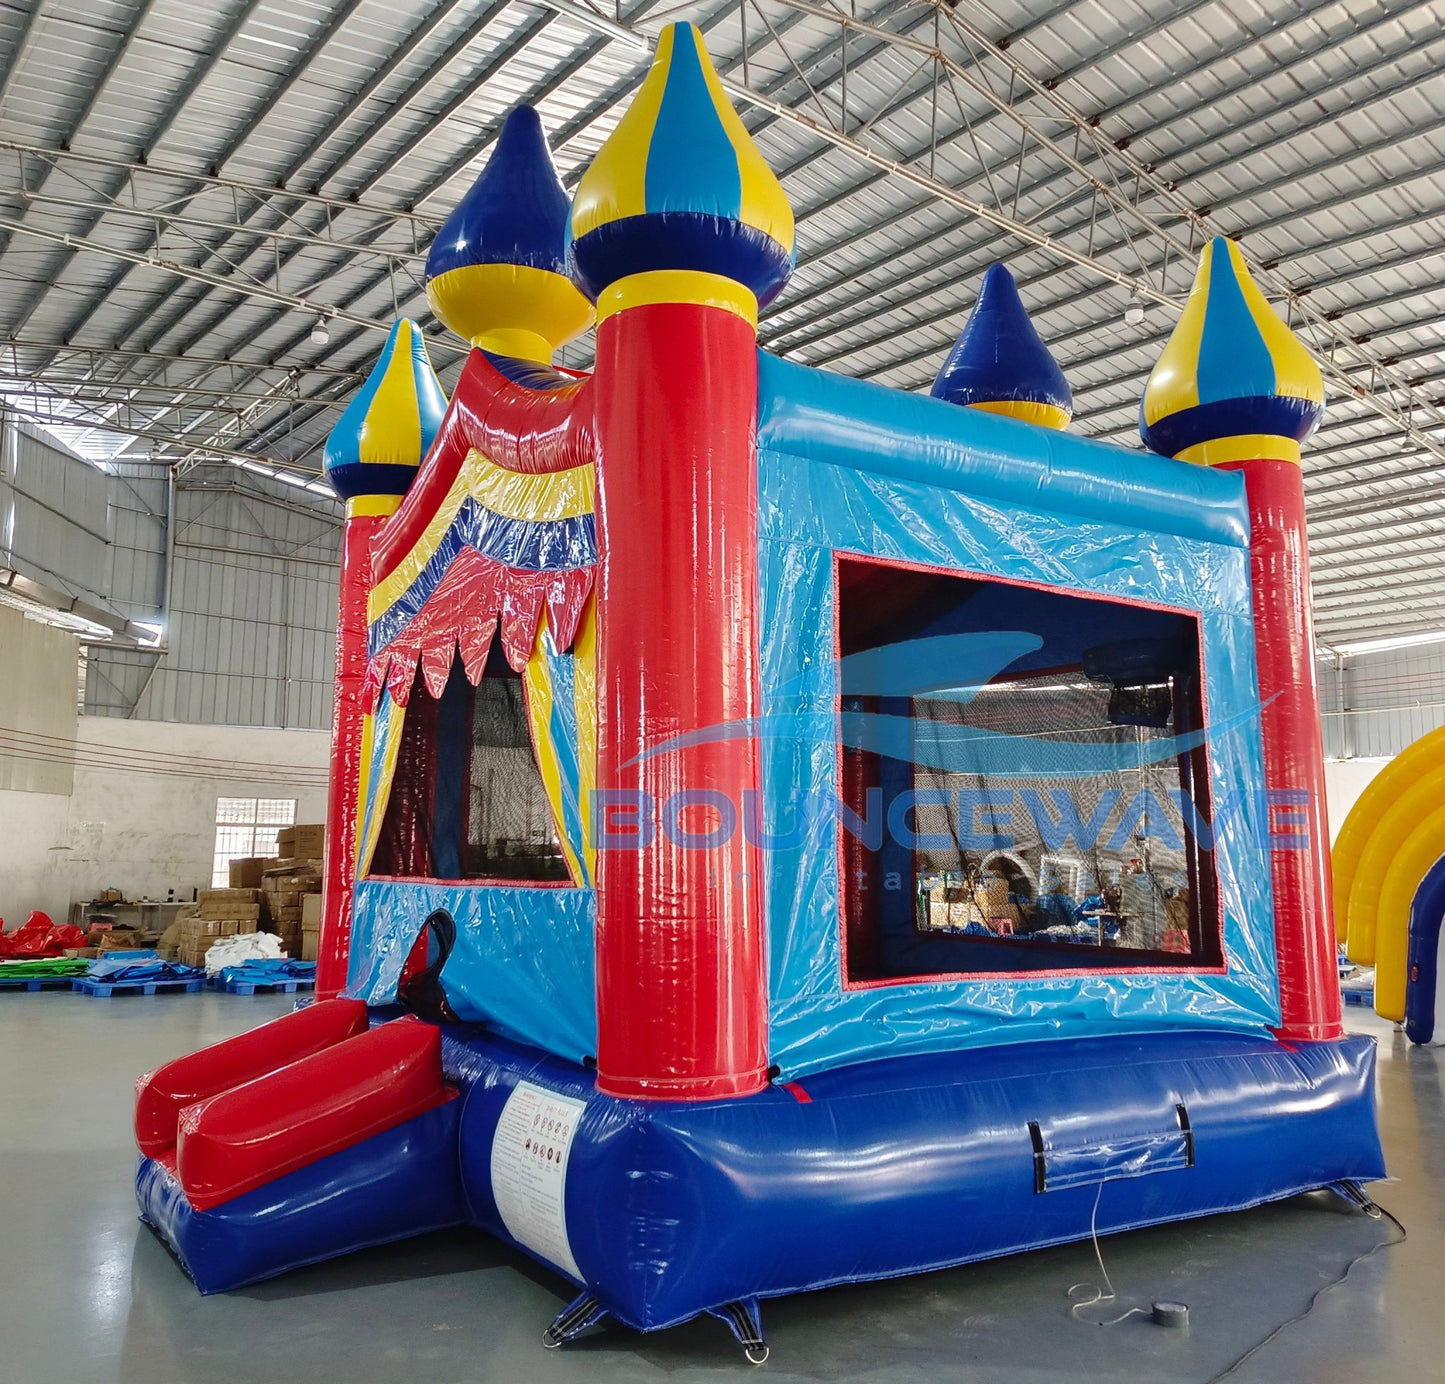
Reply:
x=226, y=170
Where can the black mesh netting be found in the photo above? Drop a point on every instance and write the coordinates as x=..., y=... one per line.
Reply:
x=467, y=800
x=509, y=833
x=1126, y=886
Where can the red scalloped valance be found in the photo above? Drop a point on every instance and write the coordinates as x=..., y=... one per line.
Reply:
x=476, y=597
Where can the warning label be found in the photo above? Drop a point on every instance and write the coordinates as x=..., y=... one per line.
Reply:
x=529, y=1170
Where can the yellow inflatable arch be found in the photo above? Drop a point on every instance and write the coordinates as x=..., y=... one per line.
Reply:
x=1395, y=832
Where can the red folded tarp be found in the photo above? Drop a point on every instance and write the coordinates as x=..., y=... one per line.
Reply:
x=38, y=936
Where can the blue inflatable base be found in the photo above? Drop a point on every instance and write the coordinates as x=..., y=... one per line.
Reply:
x=662, y=1211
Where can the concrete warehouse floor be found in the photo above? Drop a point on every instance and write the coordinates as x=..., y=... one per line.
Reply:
x=89, y=1296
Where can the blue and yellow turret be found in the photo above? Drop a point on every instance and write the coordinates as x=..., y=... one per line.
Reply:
x=1233, y=382
x=371, y=458
x=1000, y=364
x=680, y=231
x=373, y=452
x=681, y=187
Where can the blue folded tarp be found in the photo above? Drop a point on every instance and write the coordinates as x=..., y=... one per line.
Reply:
x=137, y=966
x=267, y=972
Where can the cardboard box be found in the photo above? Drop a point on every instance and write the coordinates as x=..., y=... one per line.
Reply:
x=127, y=941
x=311, y=911
x=197, y=929
x=302, y=841
x=194, y=953
x=246, y=873
x=299, y=873
x=229, y=903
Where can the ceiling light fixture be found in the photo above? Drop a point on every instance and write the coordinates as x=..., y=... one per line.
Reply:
x=319, y=333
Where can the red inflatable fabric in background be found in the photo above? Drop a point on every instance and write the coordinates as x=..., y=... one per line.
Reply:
x=37, y=936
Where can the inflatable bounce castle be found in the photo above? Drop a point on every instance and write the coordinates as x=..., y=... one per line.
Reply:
x=785, y=831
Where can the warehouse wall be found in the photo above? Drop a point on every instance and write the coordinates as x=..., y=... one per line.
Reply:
x=1377, y=704
x=252, y=624
x=141, y=814
x=1345, y=780
x=54, y=526
x=252, y=587
x=37, y=706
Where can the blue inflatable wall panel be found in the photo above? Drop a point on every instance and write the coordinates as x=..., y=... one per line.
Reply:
x=848, y=467
x=1422, y=973
x=523, y=963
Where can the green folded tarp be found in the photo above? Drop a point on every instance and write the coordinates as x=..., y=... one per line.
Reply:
x=43, y=966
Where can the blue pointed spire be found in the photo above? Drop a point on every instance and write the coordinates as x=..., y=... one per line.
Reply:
x=1000, y=364
x=496, y=273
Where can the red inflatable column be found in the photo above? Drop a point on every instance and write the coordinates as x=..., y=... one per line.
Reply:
x=681, y=989
x=364, y=518
x=1294, y=760
x=679, y=231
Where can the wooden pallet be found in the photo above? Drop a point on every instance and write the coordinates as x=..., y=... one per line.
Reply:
x=35, y=982
x=104, y=989
x=287, y=986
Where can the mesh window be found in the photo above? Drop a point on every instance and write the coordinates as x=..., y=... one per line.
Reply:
x=467, y=800
x=1002, y=854
x=510, y=834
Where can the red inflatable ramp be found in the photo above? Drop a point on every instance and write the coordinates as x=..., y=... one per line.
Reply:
x=271, y=1126
x=161, y=1095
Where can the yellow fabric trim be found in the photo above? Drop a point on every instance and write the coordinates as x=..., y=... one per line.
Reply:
x=381, y=791
x=368, y=732
x=615, y=185
x=1296, y=376
x=391, y=432
x=678, y=286
x=518, y=495
x=584, y=677
x=372, y=506
x=1249, y=447
x=1026, y=411
x=764, y=204
x=512, y=494
x=537, y=676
